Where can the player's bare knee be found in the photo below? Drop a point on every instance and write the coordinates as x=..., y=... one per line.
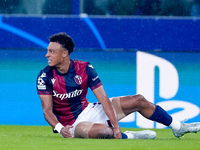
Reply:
x=105, y=133
x=140, y=97
x=82, y=129
x=141, y=101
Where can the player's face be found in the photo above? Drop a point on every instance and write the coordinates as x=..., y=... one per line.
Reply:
x=56, y=54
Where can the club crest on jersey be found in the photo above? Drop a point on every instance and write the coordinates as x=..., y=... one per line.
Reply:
x=78, y=79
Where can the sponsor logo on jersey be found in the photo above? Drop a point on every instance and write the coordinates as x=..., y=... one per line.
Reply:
x=78, y=79
x=53, y=80
x=95, y=78
x=67, y=95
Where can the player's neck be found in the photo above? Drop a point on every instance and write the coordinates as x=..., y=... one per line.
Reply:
x=64, y=67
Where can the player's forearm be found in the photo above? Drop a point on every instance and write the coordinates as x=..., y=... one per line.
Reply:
x=109, y=110
x=111, y=115
x=50, y=118
x=46, y=101
x=114, y=122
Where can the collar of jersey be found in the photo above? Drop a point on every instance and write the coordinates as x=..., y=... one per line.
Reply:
x=69, y=70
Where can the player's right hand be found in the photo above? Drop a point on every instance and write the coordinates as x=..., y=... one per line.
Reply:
x=65, y=132
x=117, y=133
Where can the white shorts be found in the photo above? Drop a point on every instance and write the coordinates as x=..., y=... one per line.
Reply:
x=94, y=113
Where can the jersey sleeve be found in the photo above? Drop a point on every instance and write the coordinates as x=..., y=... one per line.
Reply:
x=44, y=86
x=93, y=78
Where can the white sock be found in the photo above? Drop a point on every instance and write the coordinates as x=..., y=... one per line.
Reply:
x=129, y=135
x=175, y=125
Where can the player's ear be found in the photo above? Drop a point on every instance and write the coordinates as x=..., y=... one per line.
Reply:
x=65, y=53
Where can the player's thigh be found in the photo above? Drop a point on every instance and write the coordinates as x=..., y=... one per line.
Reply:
x=124, y=105
x=117, y=106
x=93, y=130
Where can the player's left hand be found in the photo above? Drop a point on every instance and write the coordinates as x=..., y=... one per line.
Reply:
x=117, y=133
x=65, y=132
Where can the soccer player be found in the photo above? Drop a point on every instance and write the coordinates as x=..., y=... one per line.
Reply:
x=62, y=87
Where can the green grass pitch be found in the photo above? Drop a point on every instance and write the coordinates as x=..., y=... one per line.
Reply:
x=42, y=138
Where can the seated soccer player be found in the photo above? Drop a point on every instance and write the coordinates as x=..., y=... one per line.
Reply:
x=62, y=87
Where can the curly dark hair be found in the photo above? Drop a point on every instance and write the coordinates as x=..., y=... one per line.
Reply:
x=64, y=40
